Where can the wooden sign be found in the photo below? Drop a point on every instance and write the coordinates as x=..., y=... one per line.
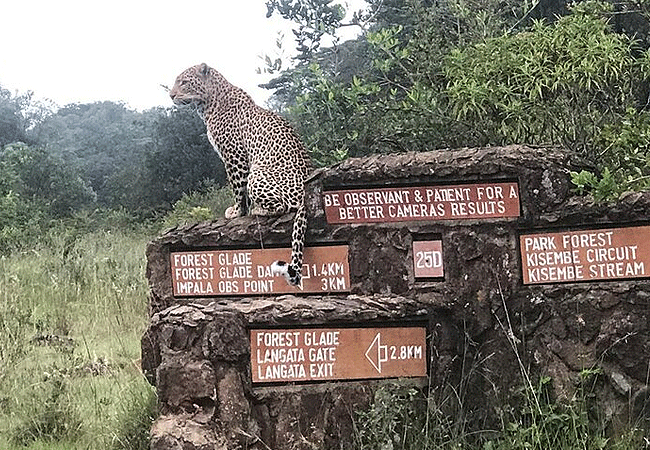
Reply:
x=608, y=254
x=322, y=354
x=401, y=204
x=247, y=272
x=427, y=259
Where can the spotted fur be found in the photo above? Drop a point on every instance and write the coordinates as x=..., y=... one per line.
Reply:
x=265, y=160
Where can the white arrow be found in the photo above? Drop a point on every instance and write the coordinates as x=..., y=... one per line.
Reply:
x=370, y=353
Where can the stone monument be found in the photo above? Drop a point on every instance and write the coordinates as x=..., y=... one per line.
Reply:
x=417, y=267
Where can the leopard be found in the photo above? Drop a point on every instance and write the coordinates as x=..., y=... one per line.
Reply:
x=265, y=160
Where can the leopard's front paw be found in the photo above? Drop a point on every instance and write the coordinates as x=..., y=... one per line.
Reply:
x=233, y=212
x=259, y=211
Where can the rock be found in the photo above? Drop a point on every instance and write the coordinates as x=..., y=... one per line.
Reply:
x=181, y=433
x=620, y=383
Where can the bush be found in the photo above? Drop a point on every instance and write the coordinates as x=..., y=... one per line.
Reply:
x=199, y=207
x=21, y=222
x=562, y=83
x=36, y=189
x=396, y=419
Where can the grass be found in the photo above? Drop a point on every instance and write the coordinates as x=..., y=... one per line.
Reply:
x=73, y=307
x=72, y=311
x=403, y=417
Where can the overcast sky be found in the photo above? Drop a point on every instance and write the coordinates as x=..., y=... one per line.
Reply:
x=122, y=50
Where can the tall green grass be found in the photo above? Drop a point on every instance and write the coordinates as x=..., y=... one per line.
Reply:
x=406, y=417
x=72, y=310
x=73, y=306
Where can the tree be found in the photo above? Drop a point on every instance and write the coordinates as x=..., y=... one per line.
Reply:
x=12, y=122
x=396, y=100
x=98, y=138
x=314, y=20
x=179, y=159
x=455, y=73
x=35, y=188
x=35, y=175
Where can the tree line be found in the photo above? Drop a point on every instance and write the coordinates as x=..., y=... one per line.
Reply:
x=428, y=74
x=422, y=74
x=84, y=158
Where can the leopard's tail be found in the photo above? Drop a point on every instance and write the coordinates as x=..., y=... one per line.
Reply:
x=293, y=272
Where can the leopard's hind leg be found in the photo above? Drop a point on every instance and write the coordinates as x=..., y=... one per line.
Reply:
x=266, y=194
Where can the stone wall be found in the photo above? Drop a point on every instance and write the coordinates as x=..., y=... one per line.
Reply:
x=483, y=323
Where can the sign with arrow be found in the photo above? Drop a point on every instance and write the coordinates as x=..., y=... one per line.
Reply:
x=212, y=273
x=295, y=355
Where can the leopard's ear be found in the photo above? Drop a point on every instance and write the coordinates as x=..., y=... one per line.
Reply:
x=204, y=69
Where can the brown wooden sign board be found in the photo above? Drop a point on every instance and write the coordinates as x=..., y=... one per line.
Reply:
x=427, y=259
x=568, y=256
x=214, y=273
x=402, y=204
x=297, y=355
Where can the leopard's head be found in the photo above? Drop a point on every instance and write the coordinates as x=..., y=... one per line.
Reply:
x=192, y=86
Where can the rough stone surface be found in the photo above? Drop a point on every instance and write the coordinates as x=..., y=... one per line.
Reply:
x=482, y=321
